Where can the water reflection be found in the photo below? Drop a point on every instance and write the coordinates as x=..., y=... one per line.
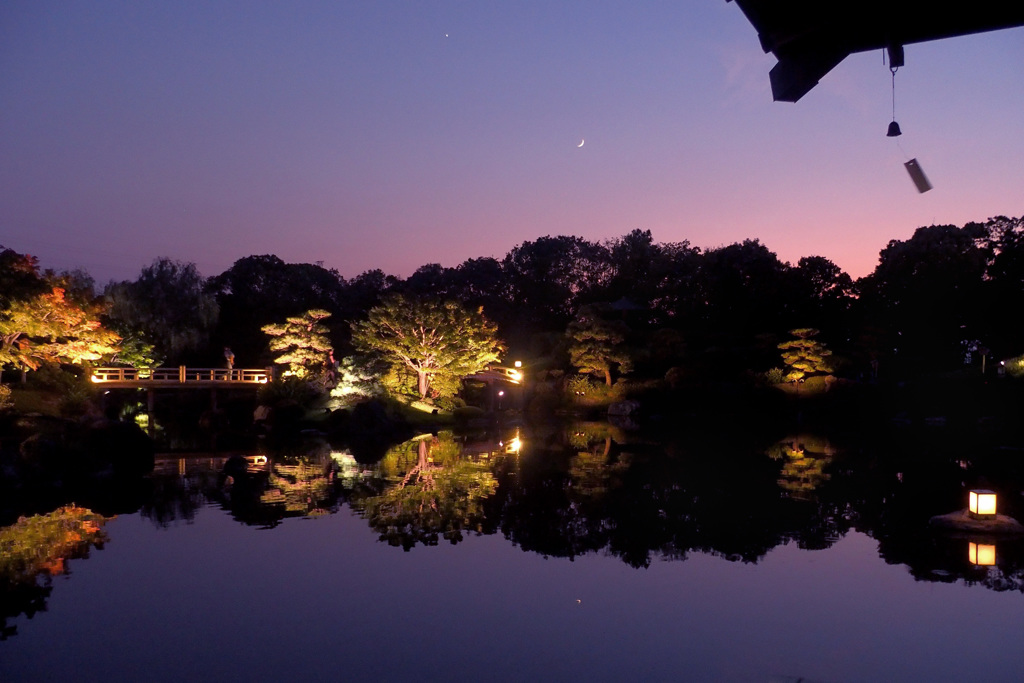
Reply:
x=34, y=550
x=428, y=489
x=567, y=490
x=805, y=459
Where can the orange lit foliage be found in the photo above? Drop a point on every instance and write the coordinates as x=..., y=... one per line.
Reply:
x=50, y=328
x=42, y=543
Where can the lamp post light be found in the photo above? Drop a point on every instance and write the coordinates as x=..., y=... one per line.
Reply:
x=981, y=504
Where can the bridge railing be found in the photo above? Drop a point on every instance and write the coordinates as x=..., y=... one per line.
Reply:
x=180, y=375
x=500, y=372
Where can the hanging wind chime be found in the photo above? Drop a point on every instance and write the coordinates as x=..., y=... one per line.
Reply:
x=913, y=168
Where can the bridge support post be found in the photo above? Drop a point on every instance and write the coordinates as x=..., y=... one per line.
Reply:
x=150, y=406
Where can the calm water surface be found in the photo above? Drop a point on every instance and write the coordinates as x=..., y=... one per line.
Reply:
x=206, y=596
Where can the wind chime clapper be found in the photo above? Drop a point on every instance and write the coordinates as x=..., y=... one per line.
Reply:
x=913, y=168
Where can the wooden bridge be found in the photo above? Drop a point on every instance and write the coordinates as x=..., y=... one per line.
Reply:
x=181, y=377
x=499, y=373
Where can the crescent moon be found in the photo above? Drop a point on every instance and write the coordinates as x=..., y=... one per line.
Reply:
x=581, y=143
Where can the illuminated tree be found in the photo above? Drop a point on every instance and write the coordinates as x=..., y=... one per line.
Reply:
x=440, y=341
x=357, y=377
x=804, y=355
x=50, y=328
x=303, y=341
x=598, y=344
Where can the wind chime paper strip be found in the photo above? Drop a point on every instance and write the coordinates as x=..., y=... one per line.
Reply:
x=918, y=176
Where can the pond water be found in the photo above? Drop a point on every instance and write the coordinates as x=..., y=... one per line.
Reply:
x=571, y=555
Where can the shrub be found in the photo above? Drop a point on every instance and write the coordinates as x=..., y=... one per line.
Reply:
x=358, y=377
x=581, y=385
x=1014, y=366
x=54, y=377
x=74, y=402
x=467, y=413
x=288, y=390
x=448, y=404
x=6, y=402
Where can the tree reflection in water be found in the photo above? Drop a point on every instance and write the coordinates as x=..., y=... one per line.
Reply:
x=804, y=459
x=297, y=481
x=34, y=550
x=593, y=488
x=430, y=490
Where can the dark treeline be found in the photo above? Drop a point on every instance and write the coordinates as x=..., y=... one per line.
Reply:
x=931, y=298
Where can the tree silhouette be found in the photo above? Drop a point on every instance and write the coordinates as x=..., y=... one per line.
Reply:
x=166, y=306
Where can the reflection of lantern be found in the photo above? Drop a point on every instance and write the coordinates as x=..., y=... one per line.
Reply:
x=982, y=504
x=981, y=554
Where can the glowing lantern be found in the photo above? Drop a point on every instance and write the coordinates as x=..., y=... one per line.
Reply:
x=519, y=363
x=981, y=554
x=982, y=504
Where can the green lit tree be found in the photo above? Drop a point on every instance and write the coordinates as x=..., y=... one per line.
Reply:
x=302, y=342
x=805, y=356
x=440, y=341
x=598, y=345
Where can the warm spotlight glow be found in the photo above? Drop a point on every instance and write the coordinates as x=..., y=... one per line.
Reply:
x=981, y=554
x=518, y=364
x=95, y=379
x=982, y=503
x=513, y=446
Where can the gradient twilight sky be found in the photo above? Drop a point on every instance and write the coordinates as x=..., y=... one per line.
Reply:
x=394, y=133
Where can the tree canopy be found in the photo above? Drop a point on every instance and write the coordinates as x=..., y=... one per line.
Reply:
x=49, y=318
x=805, y=355
x=440, y=341
x=166, y=307
x=302, y=342
x=597, y=344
